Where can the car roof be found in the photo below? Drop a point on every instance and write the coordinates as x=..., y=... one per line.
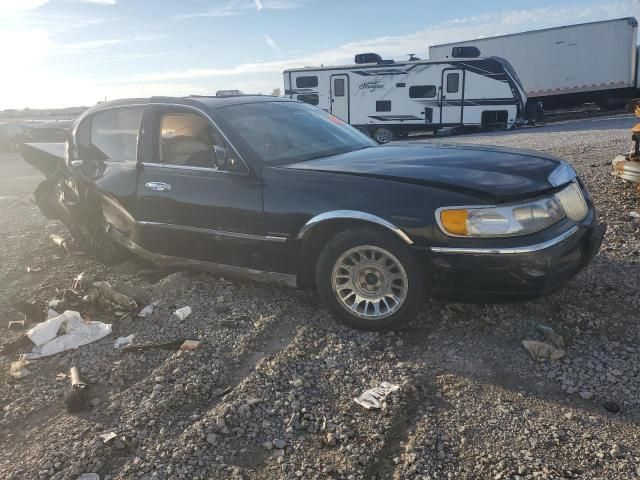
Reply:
x=210, y=102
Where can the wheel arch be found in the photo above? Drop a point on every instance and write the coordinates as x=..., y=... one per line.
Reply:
x=319, y=230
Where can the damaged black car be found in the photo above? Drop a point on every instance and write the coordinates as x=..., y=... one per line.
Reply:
x=278, y=190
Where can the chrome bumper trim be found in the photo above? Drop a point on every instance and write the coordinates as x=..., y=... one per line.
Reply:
x=508, y=250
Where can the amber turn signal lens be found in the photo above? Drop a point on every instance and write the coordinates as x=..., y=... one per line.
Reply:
x=455, y=221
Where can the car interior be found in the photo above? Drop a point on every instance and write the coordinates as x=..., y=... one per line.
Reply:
x=187, y=139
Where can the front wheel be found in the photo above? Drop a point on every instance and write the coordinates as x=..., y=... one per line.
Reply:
x=370, y=280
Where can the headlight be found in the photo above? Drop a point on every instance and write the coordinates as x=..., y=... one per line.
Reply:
x=515, y=219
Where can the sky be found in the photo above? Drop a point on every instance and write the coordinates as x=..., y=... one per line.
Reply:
x=59, y=53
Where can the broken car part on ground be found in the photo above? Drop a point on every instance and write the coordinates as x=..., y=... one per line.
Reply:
x=279, y=190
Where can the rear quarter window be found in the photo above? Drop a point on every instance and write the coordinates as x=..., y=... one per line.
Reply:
x=110, y=135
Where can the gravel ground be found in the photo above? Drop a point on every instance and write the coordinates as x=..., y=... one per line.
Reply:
x=269, y=395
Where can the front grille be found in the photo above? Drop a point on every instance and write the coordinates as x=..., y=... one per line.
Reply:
x=573, y=202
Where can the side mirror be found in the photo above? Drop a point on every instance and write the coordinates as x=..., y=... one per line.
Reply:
x=220, y=158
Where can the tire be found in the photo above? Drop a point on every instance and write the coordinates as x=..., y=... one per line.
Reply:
x=377, y=301
x=382, y=135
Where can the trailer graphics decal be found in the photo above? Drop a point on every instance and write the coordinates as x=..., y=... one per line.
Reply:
x=371, y=85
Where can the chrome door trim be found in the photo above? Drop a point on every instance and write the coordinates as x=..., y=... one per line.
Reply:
x=508, y=250
x=222, y=233
x=354, y=215
x=229, y=270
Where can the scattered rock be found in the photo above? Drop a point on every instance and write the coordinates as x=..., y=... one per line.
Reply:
x=611, y=406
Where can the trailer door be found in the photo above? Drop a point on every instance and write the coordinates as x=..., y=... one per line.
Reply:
x=340, y=96
x=451, y=96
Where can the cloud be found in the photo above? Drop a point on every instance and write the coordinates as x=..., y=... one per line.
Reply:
x=8, y=7
x=237, y=7
x=100, y=2
x=263, y=76
x=272, y=44
x=399, y=46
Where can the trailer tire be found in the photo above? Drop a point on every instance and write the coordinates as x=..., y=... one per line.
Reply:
x=382, y=135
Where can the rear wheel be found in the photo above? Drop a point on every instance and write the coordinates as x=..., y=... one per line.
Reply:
x=382, y=135
x=370, y=280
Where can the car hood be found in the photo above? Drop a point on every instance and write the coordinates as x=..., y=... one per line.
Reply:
x=492, y=172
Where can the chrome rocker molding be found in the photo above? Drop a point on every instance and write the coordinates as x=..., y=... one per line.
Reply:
x=353, y=215
x=508, y=250
x=219, y=233
x=230, y=270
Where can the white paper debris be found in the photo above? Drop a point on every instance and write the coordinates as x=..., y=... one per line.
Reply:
x=64, y=332
x=122, y=342
x=374, y=397
x=182, y=313
x=148, y=310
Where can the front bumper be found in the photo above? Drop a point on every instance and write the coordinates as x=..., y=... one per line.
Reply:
x=513, y=273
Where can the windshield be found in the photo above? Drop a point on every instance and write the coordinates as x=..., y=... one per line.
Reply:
x=287, y=132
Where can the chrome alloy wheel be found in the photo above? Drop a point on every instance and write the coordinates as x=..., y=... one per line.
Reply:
x=369, y=282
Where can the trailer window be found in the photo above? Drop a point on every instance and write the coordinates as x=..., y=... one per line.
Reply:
x=338, y=87
x=422, y=91
x=310, y=98
x=453, y=82
x=307, y=82
x=383, y=106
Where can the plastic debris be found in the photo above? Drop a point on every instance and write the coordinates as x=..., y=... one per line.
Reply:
x=19, y=370
x=169, y=345
x=122, y=342
x=374, y=397
x=542, y=351
x=34, y=269
x=107, y=437
x=182, y=313
x=110, y=299
x=78, y=397
x=148, y=310
x=190, y=345
x=67, y=244
x=64, y=332
x=89, y=476
x=634, y=214
x=16, y=325
x=551, y=335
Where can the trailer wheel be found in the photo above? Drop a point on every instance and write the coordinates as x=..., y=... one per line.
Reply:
x=382, y=135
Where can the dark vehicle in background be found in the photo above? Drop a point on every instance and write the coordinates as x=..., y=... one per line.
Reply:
x=13, y=134
x=279, y=190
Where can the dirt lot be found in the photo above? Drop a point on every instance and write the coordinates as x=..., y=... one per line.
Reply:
x=473, y=404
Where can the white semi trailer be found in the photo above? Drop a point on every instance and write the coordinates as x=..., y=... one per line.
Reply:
x=567, y=66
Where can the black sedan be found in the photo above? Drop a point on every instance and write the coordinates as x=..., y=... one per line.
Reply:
x=282, y=191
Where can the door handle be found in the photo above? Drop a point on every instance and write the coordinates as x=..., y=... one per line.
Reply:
x=157, y=186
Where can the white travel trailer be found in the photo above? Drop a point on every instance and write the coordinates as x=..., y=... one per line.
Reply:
x=388, y=99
